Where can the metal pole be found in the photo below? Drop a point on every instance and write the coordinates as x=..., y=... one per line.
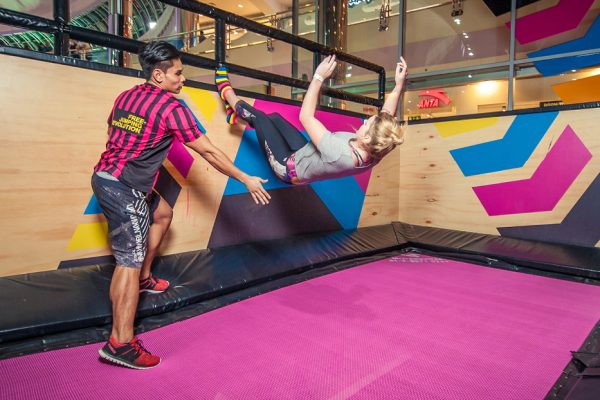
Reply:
x=333, y=21
x=62, y=15
x=295, y=19
x=220, y=41
x=401, y=47
x=511, y=55
x=126, y=28
x=295, y=11
x=115, y=27
x=320, y=31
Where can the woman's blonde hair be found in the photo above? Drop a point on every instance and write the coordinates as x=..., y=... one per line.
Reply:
x=386, y=133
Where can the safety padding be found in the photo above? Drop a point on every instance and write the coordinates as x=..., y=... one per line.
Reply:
x=48, y=310
x=44, y=303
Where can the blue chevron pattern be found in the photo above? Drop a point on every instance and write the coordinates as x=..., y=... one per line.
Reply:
x=512, y=151
x=250, y=158
x=93, y=207
x=343, y=197
x=553, y=67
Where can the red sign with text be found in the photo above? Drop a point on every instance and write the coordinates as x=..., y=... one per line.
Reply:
x=433, y=97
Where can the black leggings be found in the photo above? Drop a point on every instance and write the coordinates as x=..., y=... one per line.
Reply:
x=282, y=138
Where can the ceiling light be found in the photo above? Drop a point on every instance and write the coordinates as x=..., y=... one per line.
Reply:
x=151, y=24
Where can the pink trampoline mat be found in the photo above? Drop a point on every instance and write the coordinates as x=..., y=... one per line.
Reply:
x=408, y=327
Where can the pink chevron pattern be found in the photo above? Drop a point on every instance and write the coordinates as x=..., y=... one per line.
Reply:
x=563, y=17
x=181, y=159
x=333, y=122
x=363, y=179
x=546, y=187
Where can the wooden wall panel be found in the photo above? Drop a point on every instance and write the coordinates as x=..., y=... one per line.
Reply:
x=54, y=129
x=435, y=192
x=382, y=196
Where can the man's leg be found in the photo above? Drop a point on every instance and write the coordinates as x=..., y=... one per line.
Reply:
x=123, y=347
x=162, y=216
x=127, y=213
x=124, y=295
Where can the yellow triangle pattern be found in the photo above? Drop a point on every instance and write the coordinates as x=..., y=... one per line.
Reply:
x=89, y=236
x=203, y=100
x=451, y=128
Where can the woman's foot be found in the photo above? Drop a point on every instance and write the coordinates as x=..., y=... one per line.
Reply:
x=224, y=86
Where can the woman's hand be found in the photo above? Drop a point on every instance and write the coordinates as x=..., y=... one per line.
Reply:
x=391, y=102
x=400, y=71
x=327, y=66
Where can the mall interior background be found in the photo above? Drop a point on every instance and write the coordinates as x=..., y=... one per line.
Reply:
x=460, y=47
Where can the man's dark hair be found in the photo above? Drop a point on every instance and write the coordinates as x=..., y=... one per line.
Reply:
x=159, y=55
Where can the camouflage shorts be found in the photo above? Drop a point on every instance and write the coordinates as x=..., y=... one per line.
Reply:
x=128, y=212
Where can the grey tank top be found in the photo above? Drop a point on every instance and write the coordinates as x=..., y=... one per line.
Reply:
x=333, y=159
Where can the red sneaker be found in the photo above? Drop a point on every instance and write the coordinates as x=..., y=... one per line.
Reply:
x=153, y=285
x=132, y=354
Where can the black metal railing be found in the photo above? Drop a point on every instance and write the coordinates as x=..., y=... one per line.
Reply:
x=63, y=31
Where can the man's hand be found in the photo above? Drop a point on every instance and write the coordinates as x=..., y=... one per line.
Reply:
x=327, y=66
x=400, y=71
x=254, y=186
x=223, y=164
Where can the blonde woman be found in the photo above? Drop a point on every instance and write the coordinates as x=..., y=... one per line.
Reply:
x=328, y=154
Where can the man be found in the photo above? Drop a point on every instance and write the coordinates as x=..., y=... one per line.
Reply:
x=142, y=125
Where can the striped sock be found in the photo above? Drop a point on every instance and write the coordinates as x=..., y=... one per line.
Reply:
x=223, y=86
x=231, y=117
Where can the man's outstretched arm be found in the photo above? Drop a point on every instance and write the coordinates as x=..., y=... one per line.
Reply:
x=223, y=164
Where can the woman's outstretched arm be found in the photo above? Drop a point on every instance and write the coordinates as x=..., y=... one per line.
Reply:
x=391, y=102
x=313, y=126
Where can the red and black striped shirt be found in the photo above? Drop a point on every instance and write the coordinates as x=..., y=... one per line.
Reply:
x=141, y=127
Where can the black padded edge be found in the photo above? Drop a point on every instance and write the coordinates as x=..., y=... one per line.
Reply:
x=80, y=310
x=572, y=383
x=79, y=295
